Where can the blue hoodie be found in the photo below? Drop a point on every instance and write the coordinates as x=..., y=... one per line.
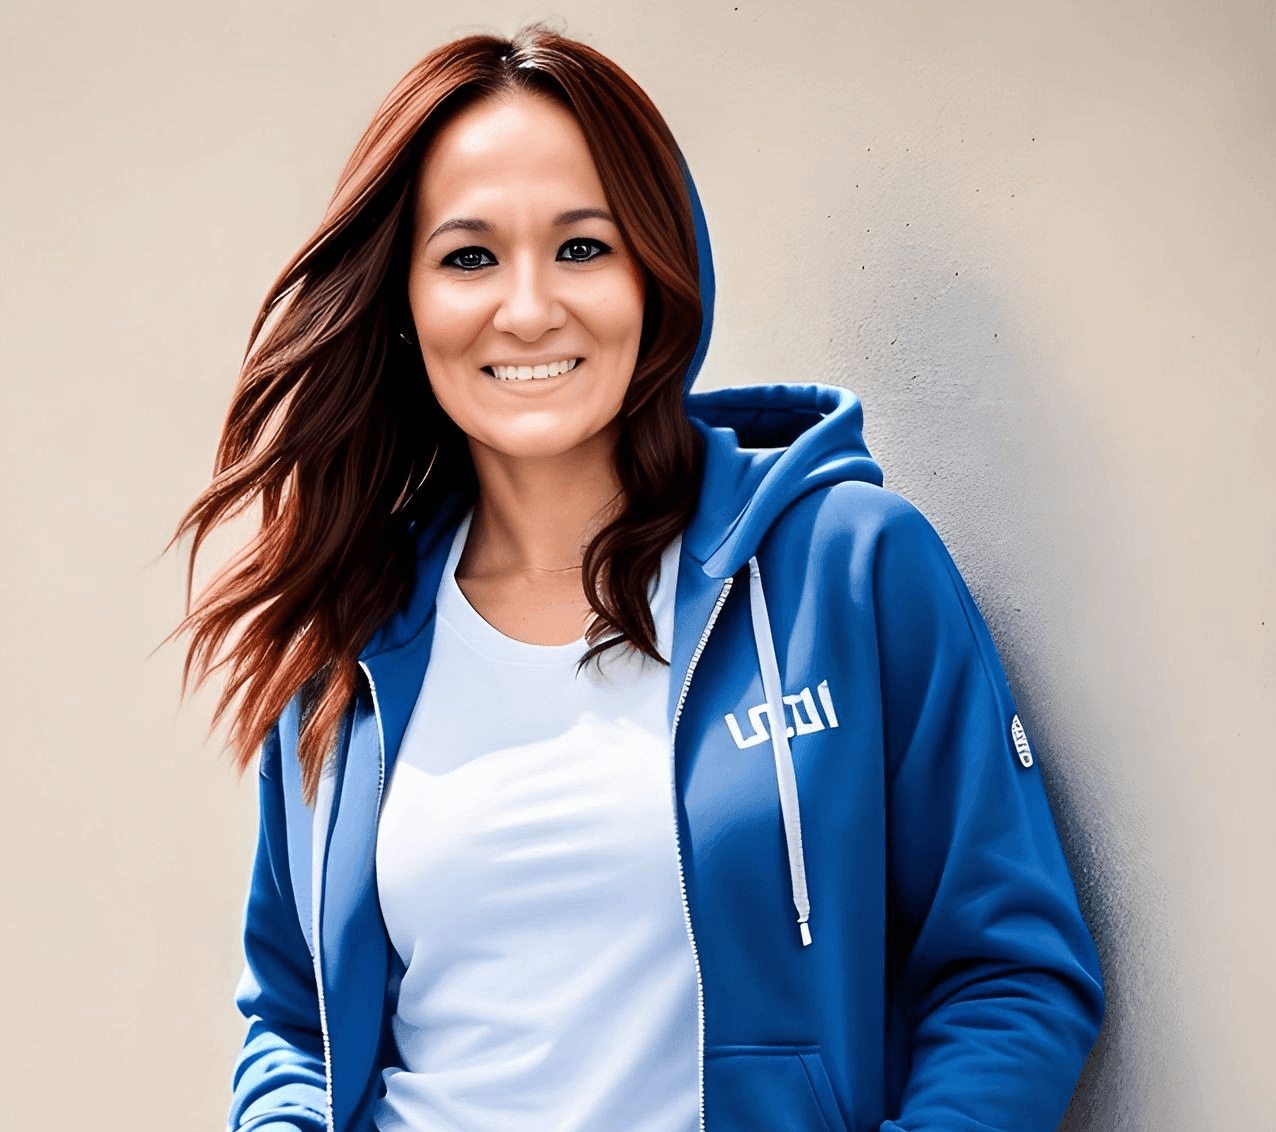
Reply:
x=885, y=931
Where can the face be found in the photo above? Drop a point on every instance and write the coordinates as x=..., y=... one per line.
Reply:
x=527, y=304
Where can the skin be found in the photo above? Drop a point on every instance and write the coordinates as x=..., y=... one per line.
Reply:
x=535, y=272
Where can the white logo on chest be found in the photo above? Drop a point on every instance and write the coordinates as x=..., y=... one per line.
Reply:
x=806, y=717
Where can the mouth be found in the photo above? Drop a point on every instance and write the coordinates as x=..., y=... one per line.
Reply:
x=532, y=373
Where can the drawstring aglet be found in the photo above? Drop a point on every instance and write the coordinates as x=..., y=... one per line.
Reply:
x=806, y=933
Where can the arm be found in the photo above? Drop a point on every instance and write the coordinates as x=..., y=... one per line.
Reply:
x=995, y=982
x=280, y=1081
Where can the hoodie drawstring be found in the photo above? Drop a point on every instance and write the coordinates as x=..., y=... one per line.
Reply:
x=785, y=779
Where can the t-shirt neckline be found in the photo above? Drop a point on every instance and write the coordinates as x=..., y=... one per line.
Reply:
x=455, y=608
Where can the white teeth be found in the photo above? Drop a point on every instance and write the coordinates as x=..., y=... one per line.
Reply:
x=533, y=373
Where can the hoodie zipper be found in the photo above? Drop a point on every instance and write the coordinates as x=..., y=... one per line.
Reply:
x=329, y=1118
x=327, y=1047
x=317, y=863
x=682, y=880
x=376, y=711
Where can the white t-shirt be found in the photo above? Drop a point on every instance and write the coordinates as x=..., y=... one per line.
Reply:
x=527, y=871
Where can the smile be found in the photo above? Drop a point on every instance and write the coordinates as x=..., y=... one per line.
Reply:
x=532, y=373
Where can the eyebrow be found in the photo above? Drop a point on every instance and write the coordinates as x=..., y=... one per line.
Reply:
x=462, y=223
x=572, y=215
x=474, y=224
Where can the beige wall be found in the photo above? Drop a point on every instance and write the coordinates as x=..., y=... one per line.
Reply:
x=1037, y=238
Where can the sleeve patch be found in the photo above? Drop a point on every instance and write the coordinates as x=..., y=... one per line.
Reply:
x=1021, y=741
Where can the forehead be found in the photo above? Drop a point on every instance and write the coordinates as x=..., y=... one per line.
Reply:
x=503, y=151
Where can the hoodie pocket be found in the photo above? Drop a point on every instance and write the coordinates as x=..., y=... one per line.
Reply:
x=769, y=1089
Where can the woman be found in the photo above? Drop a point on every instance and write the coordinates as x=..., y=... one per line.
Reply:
x=775, y=855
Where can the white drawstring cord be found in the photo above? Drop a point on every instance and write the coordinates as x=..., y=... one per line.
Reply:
x=785, y=779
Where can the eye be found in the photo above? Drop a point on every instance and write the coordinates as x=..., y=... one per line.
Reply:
x=582, y=250
x=469, y=259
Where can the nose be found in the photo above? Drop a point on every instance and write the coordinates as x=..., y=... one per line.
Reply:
x=529, y=305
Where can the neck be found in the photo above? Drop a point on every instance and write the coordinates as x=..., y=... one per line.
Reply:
x=540, y=513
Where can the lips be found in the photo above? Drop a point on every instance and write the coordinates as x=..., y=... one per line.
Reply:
x=532, y=372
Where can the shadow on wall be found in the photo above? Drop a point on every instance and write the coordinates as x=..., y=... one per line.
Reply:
x=962, y=413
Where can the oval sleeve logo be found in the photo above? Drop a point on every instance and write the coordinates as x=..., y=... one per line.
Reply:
x=1021, y=741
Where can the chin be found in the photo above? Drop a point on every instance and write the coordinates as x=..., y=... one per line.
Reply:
x=543, y=444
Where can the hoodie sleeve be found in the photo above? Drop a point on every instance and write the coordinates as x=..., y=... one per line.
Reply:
x=994, y=979
x=280, y=1082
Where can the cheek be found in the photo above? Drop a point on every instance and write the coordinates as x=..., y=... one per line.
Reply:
x=617, y=311
x=447, y=320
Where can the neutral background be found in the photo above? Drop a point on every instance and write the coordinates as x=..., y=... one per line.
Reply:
x=1037, y=237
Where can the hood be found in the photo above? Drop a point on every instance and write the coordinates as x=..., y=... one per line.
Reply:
x=766, y=446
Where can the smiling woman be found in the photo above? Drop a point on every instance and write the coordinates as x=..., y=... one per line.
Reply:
x=629, y=757
x=339, y=430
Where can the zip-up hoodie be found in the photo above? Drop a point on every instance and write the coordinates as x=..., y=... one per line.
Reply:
x=885, y=931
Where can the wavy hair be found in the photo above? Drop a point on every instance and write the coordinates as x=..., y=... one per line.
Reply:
x=334, y=432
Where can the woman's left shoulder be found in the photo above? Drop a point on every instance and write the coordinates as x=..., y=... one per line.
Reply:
x=865, y=519
x=860, y=547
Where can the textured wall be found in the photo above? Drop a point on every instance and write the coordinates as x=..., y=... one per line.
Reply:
x=1035, y=237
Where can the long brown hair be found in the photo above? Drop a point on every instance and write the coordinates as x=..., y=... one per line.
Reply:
x=333, y=429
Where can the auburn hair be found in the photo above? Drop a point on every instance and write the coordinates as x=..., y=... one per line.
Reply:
x=334, y=432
